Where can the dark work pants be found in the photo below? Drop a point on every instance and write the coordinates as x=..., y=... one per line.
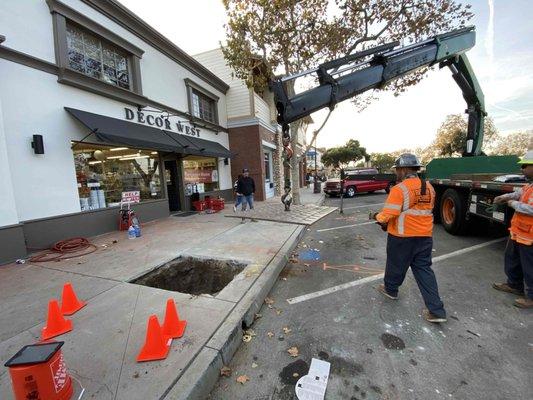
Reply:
x=414, y=252
x=519, y=266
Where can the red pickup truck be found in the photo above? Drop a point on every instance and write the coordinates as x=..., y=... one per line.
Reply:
x=360, y=180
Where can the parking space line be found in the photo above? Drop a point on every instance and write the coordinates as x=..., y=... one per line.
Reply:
x=372, y=278
x=346, y=226
x=363, y=206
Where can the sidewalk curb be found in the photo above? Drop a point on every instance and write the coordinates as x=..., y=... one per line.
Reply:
x=202, y=374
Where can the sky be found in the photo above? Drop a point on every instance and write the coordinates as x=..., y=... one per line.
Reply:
x=502, y=60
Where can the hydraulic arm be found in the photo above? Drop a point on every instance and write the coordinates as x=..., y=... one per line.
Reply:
x=354, y=74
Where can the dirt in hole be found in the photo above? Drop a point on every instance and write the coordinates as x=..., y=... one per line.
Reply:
x=192, y=275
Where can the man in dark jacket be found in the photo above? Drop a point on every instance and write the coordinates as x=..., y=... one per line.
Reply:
x=246, y=189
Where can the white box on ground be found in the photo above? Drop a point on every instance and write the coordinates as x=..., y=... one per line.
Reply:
x=313, y=385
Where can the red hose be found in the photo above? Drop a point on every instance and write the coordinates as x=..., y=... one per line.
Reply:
x=65, y=249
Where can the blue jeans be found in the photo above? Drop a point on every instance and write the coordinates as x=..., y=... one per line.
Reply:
x=414, y=252
x=242, y=199
x=519, y=266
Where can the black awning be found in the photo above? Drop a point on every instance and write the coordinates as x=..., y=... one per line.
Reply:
x=115, y=131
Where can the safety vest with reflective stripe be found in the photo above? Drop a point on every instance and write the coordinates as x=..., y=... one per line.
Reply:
x=522, y=224
x=411, y=212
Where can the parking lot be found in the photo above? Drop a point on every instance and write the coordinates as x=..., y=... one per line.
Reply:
x=325, y=305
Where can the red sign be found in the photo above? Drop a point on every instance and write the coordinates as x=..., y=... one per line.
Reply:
x=133, y=196
x=198, y=176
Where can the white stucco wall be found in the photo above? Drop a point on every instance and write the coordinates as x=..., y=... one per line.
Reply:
x=8, y=211
x=162, y=78
x=33, y=103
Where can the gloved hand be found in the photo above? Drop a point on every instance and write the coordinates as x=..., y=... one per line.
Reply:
x=372, y=216
x=383, y=226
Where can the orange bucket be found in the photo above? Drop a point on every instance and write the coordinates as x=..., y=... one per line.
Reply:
x=38, y=371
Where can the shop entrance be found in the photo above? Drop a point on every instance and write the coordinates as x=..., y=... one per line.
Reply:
x=171, y=177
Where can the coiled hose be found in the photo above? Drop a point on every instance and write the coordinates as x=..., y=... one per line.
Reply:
x=65, y=249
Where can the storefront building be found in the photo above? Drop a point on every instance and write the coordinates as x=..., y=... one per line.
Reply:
x=99, y=109
x=254, y=135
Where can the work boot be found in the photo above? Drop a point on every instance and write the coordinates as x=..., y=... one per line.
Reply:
x=524, y=303
x=504, y=287
x=383, y=291
x=430, y=317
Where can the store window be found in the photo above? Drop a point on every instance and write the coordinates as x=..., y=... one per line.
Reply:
x=108, y=175
x=200, y=174
x=97, y=58
x=203, y=107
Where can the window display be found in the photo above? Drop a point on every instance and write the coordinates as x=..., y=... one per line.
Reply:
x=108, y=175
x=201, y=174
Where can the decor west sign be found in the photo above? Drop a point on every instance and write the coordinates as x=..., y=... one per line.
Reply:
x=160, y=122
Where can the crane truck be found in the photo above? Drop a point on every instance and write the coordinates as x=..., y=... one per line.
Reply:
x=465, y=186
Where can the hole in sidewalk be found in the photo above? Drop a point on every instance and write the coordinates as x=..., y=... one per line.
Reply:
x=192, y=275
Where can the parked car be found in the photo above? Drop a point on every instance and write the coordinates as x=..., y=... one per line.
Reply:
x=360, y=180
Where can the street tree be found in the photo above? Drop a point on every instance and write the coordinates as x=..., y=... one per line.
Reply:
x=451, y=136
x=382, y=161
x=341, y=157
x=289, y=36
x=516, y=143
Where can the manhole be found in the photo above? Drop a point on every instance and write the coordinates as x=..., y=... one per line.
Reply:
x=192, y=275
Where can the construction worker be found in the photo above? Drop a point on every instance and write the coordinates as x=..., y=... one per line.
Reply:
x=519, y=250
x=408, y=218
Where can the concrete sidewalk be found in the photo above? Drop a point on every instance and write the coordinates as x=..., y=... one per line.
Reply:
x=108, y=333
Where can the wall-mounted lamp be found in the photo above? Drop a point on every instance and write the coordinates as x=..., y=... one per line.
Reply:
x=37, y=144
x=226, y=161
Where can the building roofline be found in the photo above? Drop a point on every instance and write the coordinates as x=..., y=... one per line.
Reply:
x=133, y=23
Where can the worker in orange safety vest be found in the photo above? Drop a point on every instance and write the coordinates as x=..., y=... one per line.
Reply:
x=408, y=218
x=519, y=250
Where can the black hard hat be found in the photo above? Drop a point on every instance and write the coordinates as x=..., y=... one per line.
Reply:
x=407, y=160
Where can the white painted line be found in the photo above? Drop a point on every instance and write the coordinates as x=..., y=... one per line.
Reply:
x=372, y=278
x=346, y=226
x=333, y=289
x=363, y=205
x=468, y=249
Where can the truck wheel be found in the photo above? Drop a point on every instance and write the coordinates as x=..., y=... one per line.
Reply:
x=389, y=187
x=453, y=212
x=350, y=191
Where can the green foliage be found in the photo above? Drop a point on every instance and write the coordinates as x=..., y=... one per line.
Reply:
x=339, y=157
x=451, y=136
x=382, y=161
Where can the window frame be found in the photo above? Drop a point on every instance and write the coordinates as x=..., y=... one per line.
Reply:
x=61, y=13
x=191, y=87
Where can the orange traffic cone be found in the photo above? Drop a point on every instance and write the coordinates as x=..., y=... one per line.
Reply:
x=69, y=301
x=173, y=327
x=55, y=324
x=156, y=347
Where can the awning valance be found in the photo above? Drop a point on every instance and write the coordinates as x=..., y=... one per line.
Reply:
x=115, y=131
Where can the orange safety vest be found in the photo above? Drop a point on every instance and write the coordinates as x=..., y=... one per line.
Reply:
x=522, y=224
x=411, y=210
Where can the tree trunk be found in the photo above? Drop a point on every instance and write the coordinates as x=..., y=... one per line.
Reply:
x=295, y=167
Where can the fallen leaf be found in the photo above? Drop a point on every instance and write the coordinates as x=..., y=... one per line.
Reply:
x=242, y=379
x=283, y=279
x=136, y=374
x=246, y=338
x=254, y=365
x=306, y=265
x=225, y=371
x=296, y=375
x=269, y=300
x=257, y=316
x=250, y=332
x=293, y=351
x=270, y=334
x=278, y=311
x=286, y=330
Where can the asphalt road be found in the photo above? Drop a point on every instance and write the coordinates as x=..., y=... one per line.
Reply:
x=383, y=349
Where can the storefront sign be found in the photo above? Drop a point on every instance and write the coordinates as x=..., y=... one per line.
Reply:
x=195, y=176
x=160, y=122
x=133, y=196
